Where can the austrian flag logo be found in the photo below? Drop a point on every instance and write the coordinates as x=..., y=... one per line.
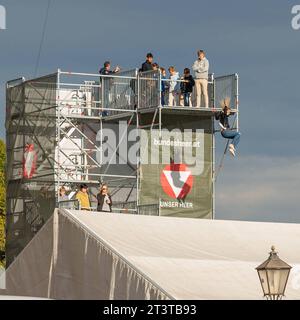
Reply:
x=29, y=161
x=176, y=181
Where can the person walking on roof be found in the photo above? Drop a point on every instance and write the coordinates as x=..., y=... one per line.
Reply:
x=201, y=67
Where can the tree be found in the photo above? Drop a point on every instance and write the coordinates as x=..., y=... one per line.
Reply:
x=2, y=201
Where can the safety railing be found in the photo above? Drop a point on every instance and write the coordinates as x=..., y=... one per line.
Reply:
x=174, y=93
x=119, y=92
x=126, y=91
x=149, y=209
x=131, y=207
x=226, y=88
x=69, y=204
x=149, y=89
x=124, y=207
x=96, y=95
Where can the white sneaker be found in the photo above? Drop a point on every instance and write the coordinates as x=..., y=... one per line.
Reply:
x=231, y=146
x=232, y=151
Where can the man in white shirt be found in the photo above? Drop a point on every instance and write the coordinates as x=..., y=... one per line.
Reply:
x=200, y=67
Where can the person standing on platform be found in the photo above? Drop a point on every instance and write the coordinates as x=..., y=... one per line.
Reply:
x=106, y=70
x=226, y=131
x=83, y=197
x=104, y=200
x=63, y=198
x=164, y=86
x=147, y=65
x=62, y=194
x=173, y=87
x=187, y=86
x=106, y=84
x=155, y=66
x=201, y=67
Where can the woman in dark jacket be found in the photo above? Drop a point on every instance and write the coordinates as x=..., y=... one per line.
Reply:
x=186, y=87
x=104, y=200
x=226, y=131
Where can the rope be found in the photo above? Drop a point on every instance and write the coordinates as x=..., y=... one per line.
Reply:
x=42, y=40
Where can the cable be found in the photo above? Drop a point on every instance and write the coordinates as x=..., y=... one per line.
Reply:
x=42, y=40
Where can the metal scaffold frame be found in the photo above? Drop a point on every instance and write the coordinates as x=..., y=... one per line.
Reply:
x=65, y=119
x=87, y=119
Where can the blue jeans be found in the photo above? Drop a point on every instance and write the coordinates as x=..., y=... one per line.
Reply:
x=186, y=99
x=162, y=98
x=231, y=134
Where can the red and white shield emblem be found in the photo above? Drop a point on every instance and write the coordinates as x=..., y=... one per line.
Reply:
x=176, y=180
x=29, y=161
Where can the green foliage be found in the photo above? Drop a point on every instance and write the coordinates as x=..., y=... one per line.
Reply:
x=2, y=198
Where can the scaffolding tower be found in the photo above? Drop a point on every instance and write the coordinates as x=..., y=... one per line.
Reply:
x=55, y=137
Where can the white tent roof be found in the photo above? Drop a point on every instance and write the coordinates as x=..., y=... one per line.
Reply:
x=121, y=256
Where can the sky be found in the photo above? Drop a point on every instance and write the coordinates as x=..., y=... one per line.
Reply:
x=252, y=38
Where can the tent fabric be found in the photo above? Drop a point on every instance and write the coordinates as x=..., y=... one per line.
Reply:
x=89, y=255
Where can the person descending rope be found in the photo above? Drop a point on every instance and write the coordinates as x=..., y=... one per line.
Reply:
x=226, y=131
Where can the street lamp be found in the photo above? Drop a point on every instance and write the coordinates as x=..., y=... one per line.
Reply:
x=273, y=275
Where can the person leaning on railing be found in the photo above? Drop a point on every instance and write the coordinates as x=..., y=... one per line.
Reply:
x=83, y=197
x=201, y=67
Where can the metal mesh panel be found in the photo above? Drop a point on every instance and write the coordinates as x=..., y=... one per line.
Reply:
x=210, y=89
x=149, y=209
x=131, y=207
x=125, y=207
x=31, y=139
x=226, y=87
x=149, y=89
x=119, y=92
x=69, y=204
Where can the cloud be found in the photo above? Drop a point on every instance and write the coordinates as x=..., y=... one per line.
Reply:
x=260, y=188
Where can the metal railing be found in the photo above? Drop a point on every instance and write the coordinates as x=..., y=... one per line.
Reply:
x=149, y=209
x=131, y=207
x=124, y=207
x=172, y=94
x=149, y=89
x=69, y=204
x=128, y=90
x=119, y=92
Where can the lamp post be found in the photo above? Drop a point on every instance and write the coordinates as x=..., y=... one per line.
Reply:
x=273, y=275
